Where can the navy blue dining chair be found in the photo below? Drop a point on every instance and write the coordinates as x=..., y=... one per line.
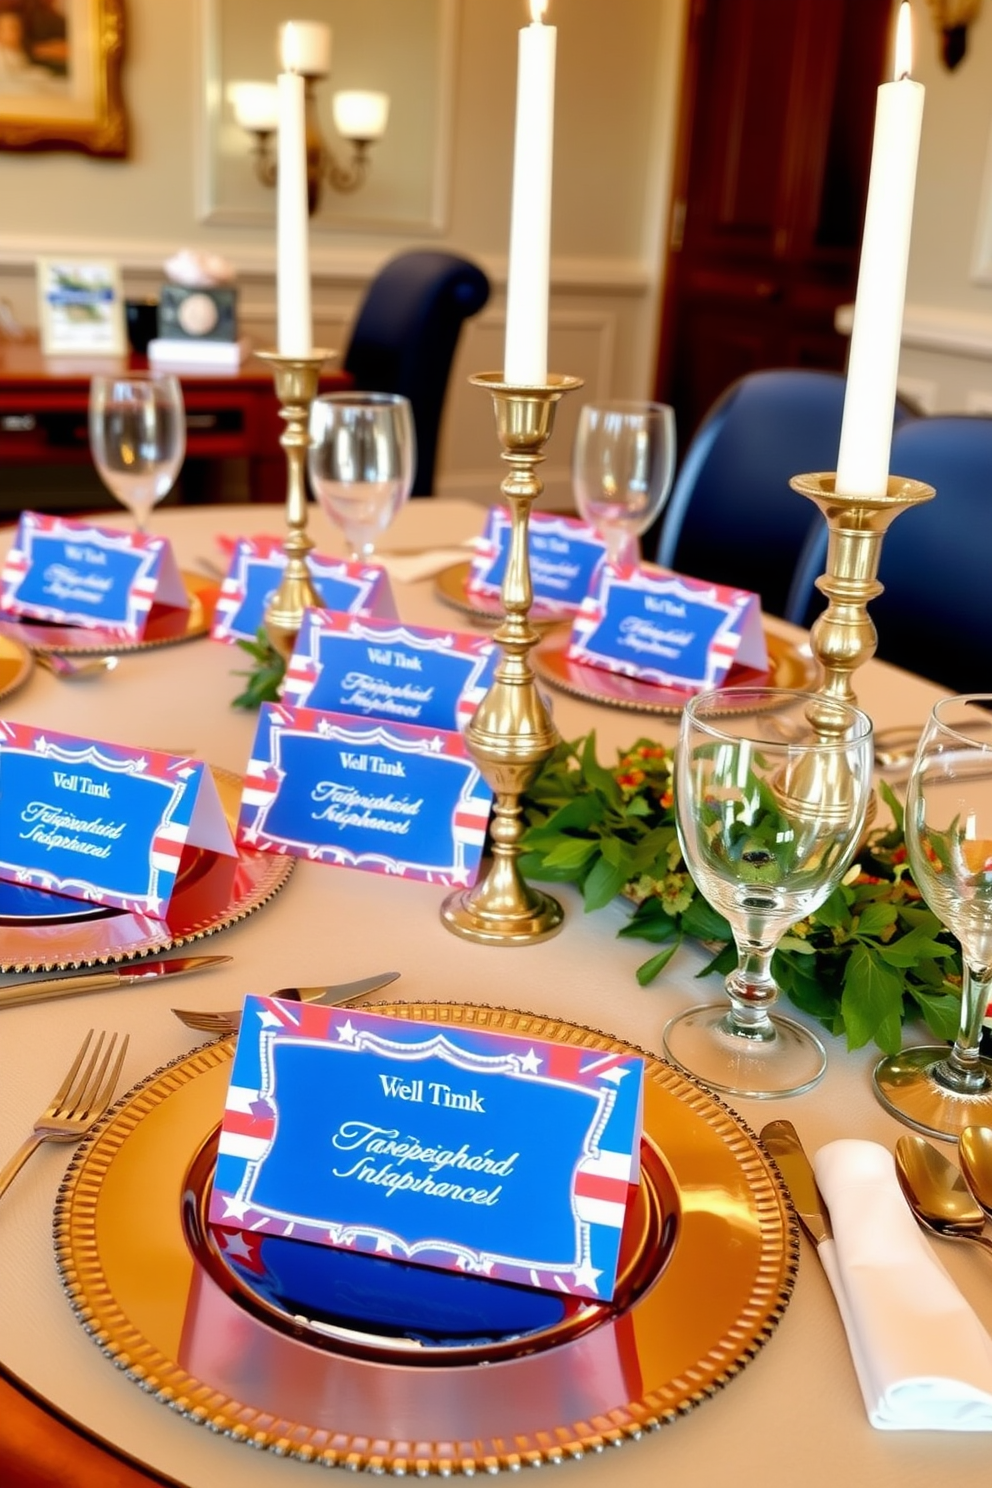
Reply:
x=405, y=335
x=732, y=516
x=935, y=614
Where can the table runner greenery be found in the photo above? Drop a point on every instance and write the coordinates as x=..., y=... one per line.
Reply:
x=870, y=957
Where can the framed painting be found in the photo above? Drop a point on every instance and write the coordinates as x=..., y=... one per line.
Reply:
x=60, y=69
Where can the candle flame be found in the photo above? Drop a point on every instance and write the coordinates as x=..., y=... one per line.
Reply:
x=537, y=9
x=904, y=42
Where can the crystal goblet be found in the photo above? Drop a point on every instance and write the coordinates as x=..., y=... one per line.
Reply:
x=361, y=462
x=137, y=427
x=771, y=790
x=623, y=461
x=948, y=827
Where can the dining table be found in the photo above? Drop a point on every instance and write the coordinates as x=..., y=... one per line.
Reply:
x=788, y=1410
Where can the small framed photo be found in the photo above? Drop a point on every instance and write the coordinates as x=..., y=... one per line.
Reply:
x=80, y=307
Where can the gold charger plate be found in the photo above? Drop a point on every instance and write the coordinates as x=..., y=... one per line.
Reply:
x=53, y=933
x=16, y=665
x=788, y=668
x=166, y=626
x=126, y=1244
x=450, y=587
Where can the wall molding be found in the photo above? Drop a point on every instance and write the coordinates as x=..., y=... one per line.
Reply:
x=935, y=328
x=347, y=265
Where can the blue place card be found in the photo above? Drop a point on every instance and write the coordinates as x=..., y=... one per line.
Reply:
x=253, y=577
x=381, y=669
x=458, y=1148
x=390, y=797
x=563, y=554
x=76, y=573
x=99, y=821
x=666, y=628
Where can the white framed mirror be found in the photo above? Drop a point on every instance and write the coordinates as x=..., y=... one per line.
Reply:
x=404, y=48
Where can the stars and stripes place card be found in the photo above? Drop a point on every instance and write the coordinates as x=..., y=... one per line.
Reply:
x=382, y=669
x=102, y=822
x=77, y=573
x=665, y=628
x=563, y=554
x=390, y=797
x=256, y=567
x=458, y=1148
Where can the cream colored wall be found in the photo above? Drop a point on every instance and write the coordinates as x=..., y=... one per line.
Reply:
x=946, y=361
x=618, y=68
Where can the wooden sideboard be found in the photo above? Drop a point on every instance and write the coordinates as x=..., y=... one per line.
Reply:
x=229, y=415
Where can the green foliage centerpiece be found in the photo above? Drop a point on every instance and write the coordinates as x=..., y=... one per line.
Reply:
x=871, y=956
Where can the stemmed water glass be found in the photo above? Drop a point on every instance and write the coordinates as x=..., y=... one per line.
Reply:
x=772, y=789
x=623, y=461
x=137, y=428
x=361, y=461
x=948, y=827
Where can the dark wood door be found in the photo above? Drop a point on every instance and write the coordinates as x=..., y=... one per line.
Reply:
x=774, y=148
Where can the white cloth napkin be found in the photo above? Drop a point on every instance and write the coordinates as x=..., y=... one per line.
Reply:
x=410, y=568
x=923, y=1359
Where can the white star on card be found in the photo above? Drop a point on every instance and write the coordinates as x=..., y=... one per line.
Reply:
x=531, y=1063
x=236, y=1247
x=235, y=1208
x=347, y=1032
x=269, y=1019
x=614, y=1075
x=586, y=1275
x=383, y=1246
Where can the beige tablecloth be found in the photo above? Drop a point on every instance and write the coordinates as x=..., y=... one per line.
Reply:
x=794, y=1414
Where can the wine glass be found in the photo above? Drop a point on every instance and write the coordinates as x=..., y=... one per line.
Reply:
x=771, y=789
x=948, y=827
x=361, y=461
x=137, y=437
x=623, y=461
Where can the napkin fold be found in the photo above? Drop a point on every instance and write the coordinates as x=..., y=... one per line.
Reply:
x=923, y=1359
x=410, y=568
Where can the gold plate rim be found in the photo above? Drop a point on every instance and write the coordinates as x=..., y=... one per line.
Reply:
x=708, y=1148
x=550, y=662
x=78, y=641
x=70, y=944
x=18, y=656
x=449, y=586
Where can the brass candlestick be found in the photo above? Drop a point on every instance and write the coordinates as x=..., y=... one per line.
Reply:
x=511, y=733
x=296, y=380
x=843, y=637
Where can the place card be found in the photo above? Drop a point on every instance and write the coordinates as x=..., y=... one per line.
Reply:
x=256, y=568
x=381, y=669
x=563, y=553
x=100, y=821
x=666, y=628
x=389, y=797
x=431, y=1143
x=76, y=573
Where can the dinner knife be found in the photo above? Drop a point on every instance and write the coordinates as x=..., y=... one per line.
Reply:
x=782, y=1143
x=106, y=979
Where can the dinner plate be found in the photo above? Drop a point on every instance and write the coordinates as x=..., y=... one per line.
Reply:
x=15, y=665
x=40, y=931
x=316, y=1364
x=450, y=587
x=166, y=626
x=788, y=667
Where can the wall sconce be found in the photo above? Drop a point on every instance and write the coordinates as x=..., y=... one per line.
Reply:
x=952, y=19
x=359, y=117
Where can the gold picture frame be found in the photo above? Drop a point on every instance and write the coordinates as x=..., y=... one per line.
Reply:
x=60, y=76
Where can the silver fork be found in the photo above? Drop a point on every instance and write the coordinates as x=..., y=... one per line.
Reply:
x=79, y=1102
x=225, y=1025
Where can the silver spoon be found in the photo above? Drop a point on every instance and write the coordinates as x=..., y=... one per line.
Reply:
x=937, y=1193
x=975, y=1156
